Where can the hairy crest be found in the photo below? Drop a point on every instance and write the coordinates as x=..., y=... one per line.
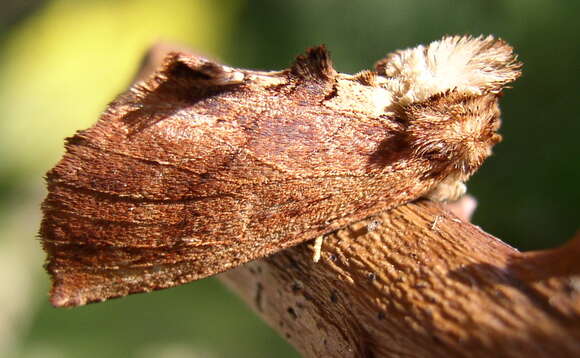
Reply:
x=469, y=65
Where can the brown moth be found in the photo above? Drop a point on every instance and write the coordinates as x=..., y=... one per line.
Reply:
x=203, y=167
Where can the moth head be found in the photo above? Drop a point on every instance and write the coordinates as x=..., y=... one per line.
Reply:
x=447, y=94
x=453, y=131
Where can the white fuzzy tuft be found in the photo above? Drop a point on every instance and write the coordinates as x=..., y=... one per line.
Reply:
x=469, y=65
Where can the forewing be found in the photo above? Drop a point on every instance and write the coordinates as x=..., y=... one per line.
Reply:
x=190, y=174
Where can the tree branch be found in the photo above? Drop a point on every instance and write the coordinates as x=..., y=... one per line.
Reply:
x=423, y=283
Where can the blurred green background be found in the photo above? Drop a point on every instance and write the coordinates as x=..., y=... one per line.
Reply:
x=61, y=61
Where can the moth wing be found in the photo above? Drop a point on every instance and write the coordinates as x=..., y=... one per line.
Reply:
x=194, y=172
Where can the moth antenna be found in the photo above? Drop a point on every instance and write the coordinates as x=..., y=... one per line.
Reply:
x=314, y=65
x=466, y=64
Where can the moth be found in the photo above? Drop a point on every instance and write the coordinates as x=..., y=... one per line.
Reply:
x=202, y=167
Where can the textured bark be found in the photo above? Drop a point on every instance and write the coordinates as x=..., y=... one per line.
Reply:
x=422, y=283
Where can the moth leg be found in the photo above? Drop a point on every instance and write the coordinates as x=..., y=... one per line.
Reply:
x=447, y=190
x=317, y=249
